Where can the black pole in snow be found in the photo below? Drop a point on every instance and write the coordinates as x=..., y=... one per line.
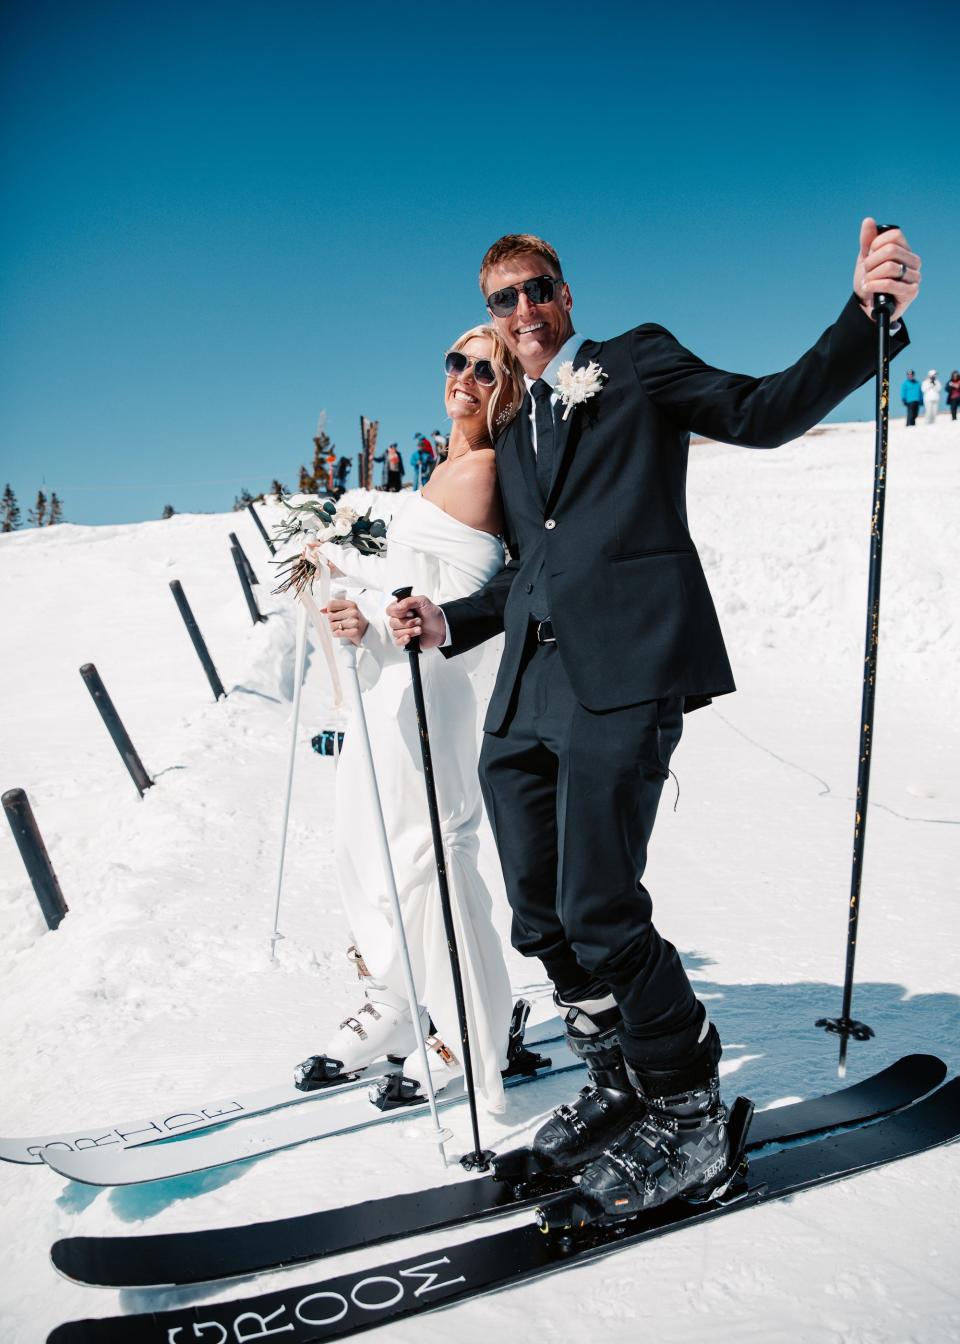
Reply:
x=121, y=739
x=234, y=541
x=35, y=857
x=478, y=1160
x=193, y=630
x=256, y=614
x=261, y=529
x=844, y=1026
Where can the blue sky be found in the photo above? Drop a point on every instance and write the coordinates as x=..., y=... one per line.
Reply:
x=221, y=218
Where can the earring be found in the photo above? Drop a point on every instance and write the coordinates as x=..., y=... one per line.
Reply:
x=505, y=416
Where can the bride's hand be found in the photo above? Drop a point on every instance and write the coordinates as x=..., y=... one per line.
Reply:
x=346, y=619
x=311, y=553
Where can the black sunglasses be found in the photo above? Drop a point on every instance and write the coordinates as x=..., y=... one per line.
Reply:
x=456, y=362
x=541, y=289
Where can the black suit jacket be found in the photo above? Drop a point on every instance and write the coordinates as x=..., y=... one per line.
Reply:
x=630, y=605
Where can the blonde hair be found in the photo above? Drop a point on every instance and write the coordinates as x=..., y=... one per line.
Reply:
x=509, y=389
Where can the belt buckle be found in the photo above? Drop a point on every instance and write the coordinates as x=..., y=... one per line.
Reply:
x=549, y=639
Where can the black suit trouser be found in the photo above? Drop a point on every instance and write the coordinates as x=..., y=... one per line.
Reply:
x=572, y=796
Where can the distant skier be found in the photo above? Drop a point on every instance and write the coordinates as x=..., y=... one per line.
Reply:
x=932, y=388
x=421, y=464
x=392, y=469
x=426, y=455
x=911, y=394
x=340, y=475
x=953, y=394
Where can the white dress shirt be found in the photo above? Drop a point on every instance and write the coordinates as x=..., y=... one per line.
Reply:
x=567, y=351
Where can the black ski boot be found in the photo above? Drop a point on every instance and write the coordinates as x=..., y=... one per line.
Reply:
x=578, y=1132
x=680, y=1146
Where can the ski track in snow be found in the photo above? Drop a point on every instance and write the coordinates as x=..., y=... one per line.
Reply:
x=158, y=988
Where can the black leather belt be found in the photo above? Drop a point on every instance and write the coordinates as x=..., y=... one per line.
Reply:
x=544, y=631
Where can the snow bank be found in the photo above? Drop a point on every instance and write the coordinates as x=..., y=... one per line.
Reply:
x=158, y=986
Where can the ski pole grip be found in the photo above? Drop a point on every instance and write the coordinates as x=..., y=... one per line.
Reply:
x=413, y=646
x=884, y=303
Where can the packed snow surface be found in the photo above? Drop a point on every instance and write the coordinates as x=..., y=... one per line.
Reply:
x=158, y=989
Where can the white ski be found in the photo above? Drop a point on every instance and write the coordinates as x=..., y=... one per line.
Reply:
x=190, y=1119
x=342, y=1113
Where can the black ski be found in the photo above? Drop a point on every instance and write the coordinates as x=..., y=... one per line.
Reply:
x=197, y=1257
x=386, y=1293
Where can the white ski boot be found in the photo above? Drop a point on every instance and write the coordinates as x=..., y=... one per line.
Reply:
x=381, y=1028
x=445, y=1068
x=407, y=1087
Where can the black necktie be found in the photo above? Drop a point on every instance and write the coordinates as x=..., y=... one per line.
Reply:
x=546, y=437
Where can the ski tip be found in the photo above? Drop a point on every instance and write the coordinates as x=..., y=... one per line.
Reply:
x=63, y=1259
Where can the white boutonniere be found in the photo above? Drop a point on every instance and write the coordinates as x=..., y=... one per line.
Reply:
x=576, y=385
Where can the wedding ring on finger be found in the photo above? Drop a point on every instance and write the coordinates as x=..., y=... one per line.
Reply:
x=903, y=270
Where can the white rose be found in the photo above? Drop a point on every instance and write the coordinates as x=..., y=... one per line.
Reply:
x=350, y=514
x=342, y=527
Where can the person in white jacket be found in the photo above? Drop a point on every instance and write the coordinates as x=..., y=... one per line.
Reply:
x=931, y=396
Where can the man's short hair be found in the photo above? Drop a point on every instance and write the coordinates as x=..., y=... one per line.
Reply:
x=518, y=245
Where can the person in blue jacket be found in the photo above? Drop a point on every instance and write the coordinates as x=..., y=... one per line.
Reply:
x=911, y=396
x=422, y=460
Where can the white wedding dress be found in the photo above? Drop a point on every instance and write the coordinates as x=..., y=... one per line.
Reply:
x=443, y=559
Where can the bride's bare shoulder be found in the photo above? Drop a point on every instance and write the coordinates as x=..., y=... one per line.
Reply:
x=470, y=491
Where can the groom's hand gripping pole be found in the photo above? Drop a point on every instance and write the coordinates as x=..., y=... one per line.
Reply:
x=887, y=274
x=416, y=619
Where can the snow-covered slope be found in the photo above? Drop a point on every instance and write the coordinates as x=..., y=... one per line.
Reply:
x=158, y=986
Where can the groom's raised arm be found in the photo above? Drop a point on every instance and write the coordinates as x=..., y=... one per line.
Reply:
x=765, y=412
x=759, y=412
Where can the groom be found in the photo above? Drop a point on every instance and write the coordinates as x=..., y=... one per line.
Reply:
x=611, y=635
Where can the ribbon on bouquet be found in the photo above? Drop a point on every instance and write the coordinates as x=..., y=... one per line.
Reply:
x=322, y=626
x=308, y=608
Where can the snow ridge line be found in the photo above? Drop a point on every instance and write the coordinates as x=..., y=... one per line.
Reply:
x=827, y=791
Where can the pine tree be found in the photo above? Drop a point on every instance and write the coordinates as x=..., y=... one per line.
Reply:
x=38, y=513
x=317, y=481
x=9, y=511
x=168, y=511
x=278, y=491
x=242, y=500
x=56, y=510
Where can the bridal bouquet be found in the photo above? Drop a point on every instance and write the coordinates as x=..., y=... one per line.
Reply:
x=317, y=520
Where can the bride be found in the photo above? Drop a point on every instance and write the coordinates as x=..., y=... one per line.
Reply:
x=443, y=541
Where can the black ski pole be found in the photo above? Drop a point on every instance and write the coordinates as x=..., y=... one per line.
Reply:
x=479, y=1159
x=844, y=1026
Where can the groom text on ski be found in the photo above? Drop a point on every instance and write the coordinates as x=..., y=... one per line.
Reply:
x=610, y=636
